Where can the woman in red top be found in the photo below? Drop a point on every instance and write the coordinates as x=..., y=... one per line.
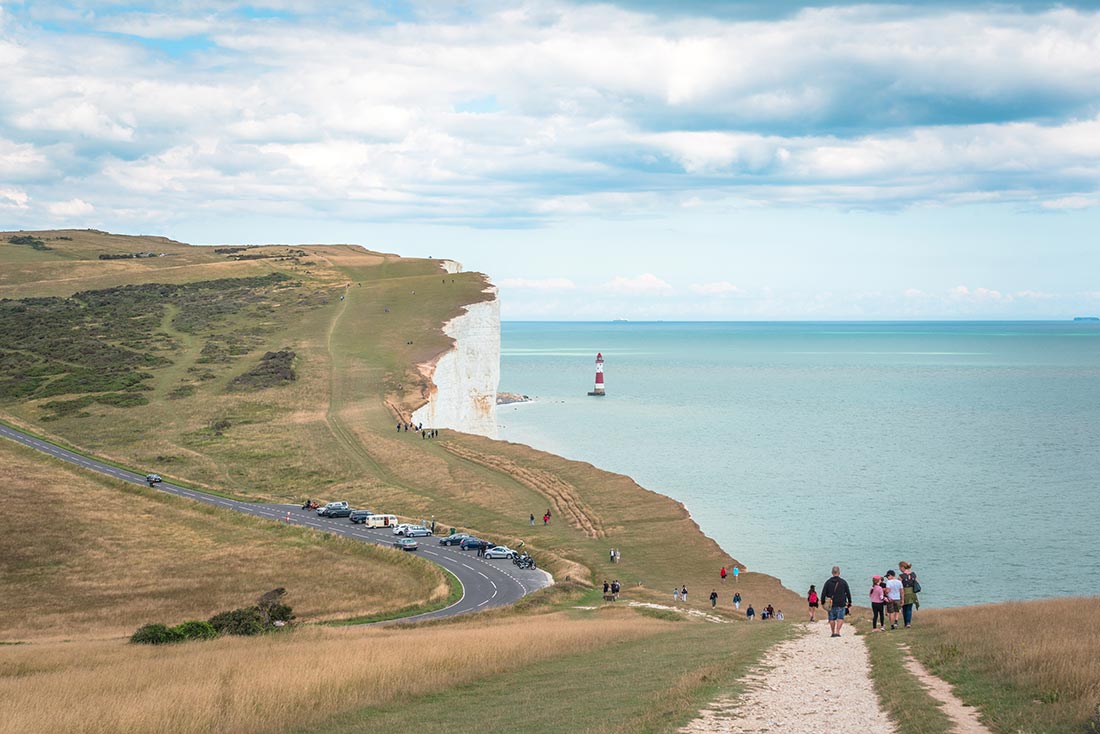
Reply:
x=812, y=601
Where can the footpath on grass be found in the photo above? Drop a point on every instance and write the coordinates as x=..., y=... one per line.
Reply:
x=815, y=682
x=807, y=684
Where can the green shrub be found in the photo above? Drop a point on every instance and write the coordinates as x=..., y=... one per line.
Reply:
x=245, y=621
x=156, y=634
x=195, y=630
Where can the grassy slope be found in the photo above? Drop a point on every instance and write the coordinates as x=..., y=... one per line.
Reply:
x=90, y=556
x=1029, y=667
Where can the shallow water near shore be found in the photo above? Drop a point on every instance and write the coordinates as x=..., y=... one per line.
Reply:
x=970, y=449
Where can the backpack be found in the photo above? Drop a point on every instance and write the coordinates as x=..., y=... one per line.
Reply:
x=813, y=597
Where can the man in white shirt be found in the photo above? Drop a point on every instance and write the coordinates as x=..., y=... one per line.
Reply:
x=893, y=598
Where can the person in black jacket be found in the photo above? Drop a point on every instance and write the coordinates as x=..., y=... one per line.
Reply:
x=837, y=591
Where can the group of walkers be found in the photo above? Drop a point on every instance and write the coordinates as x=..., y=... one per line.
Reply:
x=892, y=594
x=418, y=428
x=611, y=590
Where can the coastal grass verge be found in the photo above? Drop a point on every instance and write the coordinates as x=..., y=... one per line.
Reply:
x=410, y=611
x=902, y=696
x=1027, y=666
x=89, y=556
x=642, y=685
x=296, y=681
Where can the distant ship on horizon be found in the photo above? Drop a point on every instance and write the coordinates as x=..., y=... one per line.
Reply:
x=1086, y=318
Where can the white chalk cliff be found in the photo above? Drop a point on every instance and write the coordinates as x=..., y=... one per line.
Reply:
x=463, y=396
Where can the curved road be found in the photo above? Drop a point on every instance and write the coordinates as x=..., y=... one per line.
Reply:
x=485, y=583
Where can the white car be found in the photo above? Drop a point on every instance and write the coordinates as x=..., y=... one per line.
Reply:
x=500, y=551
x=400, y=529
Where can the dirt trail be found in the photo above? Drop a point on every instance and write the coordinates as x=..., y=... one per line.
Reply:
x=810, y=684
x=964, y=717
x=563, y=497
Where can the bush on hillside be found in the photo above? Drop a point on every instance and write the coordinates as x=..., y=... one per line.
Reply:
x=196, y=629
x=156, y=634
x=246, y=621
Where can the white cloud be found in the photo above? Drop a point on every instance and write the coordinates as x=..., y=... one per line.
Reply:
x=645, y=283
x=977, y=295
x=1076, y=201
x=597, y=110
x=722, y=287
x=13, y=198
x=543, y=284
x=70, y=208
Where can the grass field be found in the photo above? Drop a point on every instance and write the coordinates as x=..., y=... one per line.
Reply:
x=286, y=682
x=1028, y=666
x=86, y=556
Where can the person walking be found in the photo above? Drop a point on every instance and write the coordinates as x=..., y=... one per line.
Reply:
x=878, y=603
x=840, y=596
x=812, y=602
x=676, y=593
x=684, y=593
x=722, y=573
x=909, y=588
x=713, y=598
x=750, y=613
x=532, y=519
x=893, y=598
x=737, y=600
x=611, y=556
x=606, y=587
x=736, y=572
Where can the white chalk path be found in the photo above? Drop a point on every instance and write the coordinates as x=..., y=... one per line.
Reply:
x=807, y=685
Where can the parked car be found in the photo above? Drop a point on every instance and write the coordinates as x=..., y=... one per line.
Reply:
x=472, y=543
x=405, y=544
x=454, y=539
x=152, y=478
x=324, y=511
x=416, y=531
x=500, y=551
x=327, y=511
x=358, y=516
x=400, y=528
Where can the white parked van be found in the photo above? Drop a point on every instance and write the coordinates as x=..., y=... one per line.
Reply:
x=381, y=521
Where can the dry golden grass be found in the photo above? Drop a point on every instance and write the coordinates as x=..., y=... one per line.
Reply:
x=277, y=683
x=1031, y=666
x=90, y=556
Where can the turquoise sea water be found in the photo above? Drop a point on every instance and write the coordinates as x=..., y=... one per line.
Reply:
x=971, y=450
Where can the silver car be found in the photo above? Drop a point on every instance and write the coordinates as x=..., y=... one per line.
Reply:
x=500, y=551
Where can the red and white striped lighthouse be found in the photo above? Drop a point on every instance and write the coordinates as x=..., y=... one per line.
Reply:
x=598, y=390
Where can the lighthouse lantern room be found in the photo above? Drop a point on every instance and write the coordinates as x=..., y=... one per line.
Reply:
x=598, y=390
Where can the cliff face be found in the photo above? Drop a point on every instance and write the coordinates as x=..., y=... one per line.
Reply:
x=465, y=379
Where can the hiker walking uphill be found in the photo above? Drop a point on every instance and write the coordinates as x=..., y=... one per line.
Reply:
x=840, y=596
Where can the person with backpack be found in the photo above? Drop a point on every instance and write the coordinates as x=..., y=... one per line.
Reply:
x=910, y=587
x=812, y=601
x=750, y=613
x=713, y=598
x=840, y=596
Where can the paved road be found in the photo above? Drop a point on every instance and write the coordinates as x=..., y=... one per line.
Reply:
x=485, y=583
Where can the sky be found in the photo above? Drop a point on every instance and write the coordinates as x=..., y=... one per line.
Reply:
x=643, y=159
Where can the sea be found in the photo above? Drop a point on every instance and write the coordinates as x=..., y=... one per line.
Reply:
x=969, y=449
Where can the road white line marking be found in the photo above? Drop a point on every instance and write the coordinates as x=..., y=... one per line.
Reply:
x=479, y=573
